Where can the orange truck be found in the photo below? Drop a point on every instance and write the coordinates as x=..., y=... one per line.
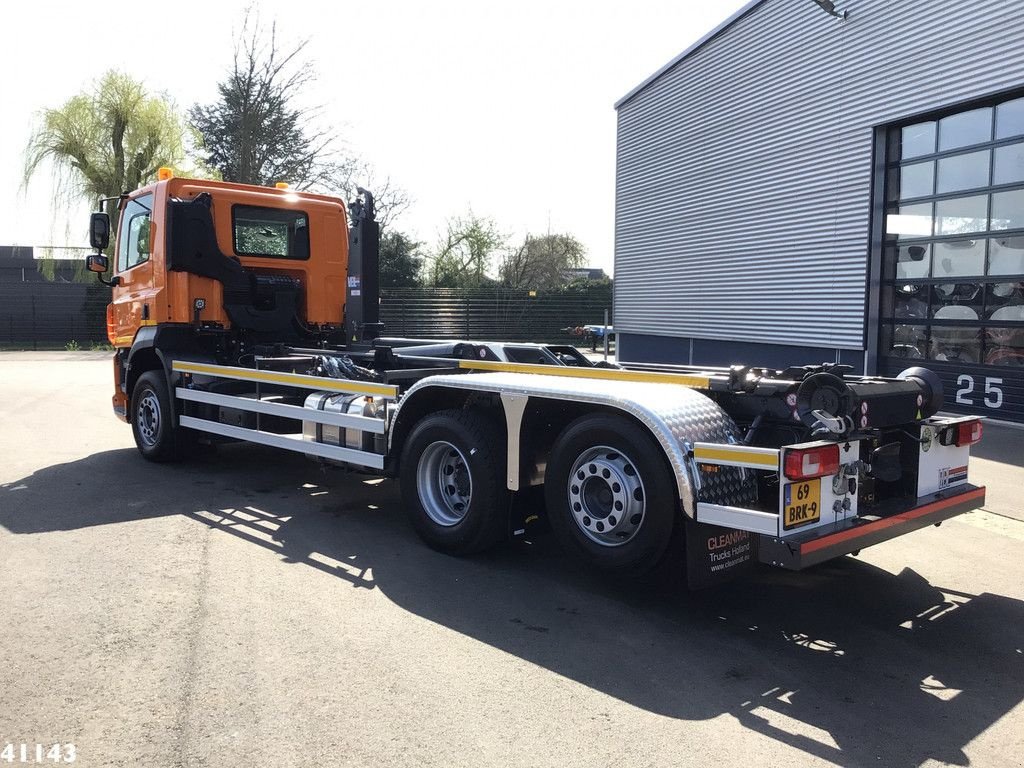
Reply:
x=244, y=313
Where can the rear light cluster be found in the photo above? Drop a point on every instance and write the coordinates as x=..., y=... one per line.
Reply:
x=964, y=433
x=968, y=432
x=805, y=463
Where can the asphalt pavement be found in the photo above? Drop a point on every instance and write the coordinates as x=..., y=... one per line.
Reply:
x=246, y=608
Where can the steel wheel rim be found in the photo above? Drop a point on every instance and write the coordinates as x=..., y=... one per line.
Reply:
x=147, y=418
x=444, y=483
x=606, y=496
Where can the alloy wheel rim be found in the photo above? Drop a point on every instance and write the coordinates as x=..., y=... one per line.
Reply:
x=606, y=496
x=147, y=417
x=444, y=483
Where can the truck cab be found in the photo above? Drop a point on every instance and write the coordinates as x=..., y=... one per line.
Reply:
x=230, y=261
x=163, y=233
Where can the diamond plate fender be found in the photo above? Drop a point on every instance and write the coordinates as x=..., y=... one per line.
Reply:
x=676, y=416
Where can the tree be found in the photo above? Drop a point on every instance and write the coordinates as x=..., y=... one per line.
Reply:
x=542, y=262
x=389, y=199
x=400, y=261
x=465, y=252
x=108, y=140
x=255, y=133
x=259, y=132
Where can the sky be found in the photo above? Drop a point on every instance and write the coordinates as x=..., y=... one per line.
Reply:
x=502, y=108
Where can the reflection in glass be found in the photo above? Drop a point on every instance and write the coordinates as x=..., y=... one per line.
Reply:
x=917, y=140
x=910, y=302
x=911, y=221
x=965, y=129
x=955, y=344
x=1000, y=296
x=967, y=171
x=917, y=180
x=1005, y=346
x=1006, y=256
x=909, y=341
x=1009, y=164
x=1010, y=119
x=958, y=257
x=912, y=261
x=1008, y=209
x=961, y=214
x=957, y=301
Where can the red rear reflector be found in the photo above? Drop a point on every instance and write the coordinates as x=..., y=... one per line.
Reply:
x=805, y=463
x=968, y=433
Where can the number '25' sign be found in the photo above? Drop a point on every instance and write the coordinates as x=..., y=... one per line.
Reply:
x=968, y=394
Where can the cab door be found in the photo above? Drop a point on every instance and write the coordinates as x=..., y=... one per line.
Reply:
x=133, y=299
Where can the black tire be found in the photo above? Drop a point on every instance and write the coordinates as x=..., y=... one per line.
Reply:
x=617, y=510
x=444, y=515
x=154, y=422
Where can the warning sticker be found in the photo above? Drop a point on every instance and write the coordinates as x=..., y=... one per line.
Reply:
x=952, y=475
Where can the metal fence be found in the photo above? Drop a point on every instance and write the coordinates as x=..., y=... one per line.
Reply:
x=37, y=314
x=488, y=314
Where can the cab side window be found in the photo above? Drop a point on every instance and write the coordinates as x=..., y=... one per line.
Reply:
x=134, y=243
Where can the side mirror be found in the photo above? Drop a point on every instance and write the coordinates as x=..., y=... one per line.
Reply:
x=97, y=262
x=99, y=232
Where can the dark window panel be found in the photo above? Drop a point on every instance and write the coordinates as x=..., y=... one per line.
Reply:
x=905, y=341
x=1005, y=346
x=1004, y=296
x=910, y=302
x=273, y=232
x=957, y=301
x=955, y=344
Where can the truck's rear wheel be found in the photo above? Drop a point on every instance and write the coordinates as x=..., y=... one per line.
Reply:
x=610, y=495
x=154, y=425
x=451, y=475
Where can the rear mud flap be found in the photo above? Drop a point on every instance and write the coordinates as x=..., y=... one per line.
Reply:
x=715, y=555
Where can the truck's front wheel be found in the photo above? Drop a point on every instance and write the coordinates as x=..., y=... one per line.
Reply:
x=451, y=476
x=610, y=495
x=153, y=420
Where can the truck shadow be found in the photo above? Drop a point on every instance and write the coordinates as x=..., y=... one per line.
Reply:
x=848, y=663
x=1001, y=444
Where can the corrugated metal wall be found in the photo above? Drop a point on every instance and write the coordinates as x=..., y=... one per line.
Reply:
x=744, y=171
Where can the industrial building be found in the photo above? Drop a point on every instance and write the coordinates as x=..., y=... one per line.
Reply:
x=814, y=182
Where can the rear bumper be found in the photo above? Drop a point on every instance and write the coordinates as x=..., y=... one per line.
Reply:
x=888, y=522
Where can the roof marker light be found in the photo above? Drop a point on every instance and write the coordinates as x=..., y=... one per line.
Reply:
x=164, y=174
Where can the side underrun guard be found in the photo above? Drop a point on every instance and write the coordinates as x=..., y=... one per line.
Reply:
x=262, y=303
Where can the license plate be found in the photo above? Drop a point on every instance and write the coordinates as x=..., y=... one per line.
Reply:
x=801, y=503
